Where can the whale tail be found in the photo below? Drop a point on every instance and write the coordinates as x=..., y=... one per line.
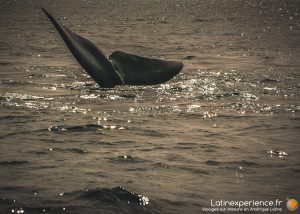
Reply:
x=124, y=68
x=137, y=70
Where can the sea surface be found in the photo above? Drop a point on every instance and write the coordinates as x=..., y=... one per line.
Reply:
x=227, y=127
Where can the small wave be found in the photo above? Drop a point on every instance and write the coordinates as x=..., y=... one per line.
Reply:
x=161, y=165
x=72, y=150
x=126, y=159
x=41, y=209
x=277, y=153
x=3, y=63
x=232, y=164
x=188, y=168
x=201, y=20
x=71, y=109
x=114, y=195
x=192, y=169
x=89, y=96
x=38, y=75
x=123, y=158
x=154, y=133
x=128, y=96
x=38, y=152
x=212, y=162
x=269, y=80
x=12, y=117
x=80, y=128
x=189, y=57
x=16, y=82
x=13, y=162
x=243, y=163
x=84, y=128
x=209, y=146
x=7, y=207
x=77, y=150
x=108, y=96
x=219, y=96
x=22, y=96
x=82, y=85
x=56, y=129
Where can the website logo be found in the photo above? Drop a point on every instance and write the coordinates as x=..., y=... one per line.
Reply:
x=292, y=204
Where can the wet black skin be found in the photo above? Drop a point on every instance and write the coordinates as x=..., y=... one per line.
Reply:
x=125, y=69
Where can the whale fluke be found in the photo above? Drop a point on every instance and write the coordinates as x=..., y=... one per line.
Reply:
x=88, y=55
x=137, y=70
x=125, y=69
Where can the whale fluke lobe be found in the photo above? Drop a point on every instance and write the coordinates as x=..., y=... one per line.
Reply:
x=125, y=69
x=137, y=70
x=88, y=55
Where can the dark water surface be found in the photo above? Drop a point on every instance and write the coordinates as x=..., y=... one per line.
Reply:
x=227, y=127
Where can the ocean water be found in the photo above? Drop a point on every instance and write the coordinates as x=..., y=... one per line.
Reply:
x=227, y=127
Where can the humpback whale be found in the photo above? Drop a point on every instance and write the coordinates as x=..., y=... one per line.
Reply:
x=121, y=68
